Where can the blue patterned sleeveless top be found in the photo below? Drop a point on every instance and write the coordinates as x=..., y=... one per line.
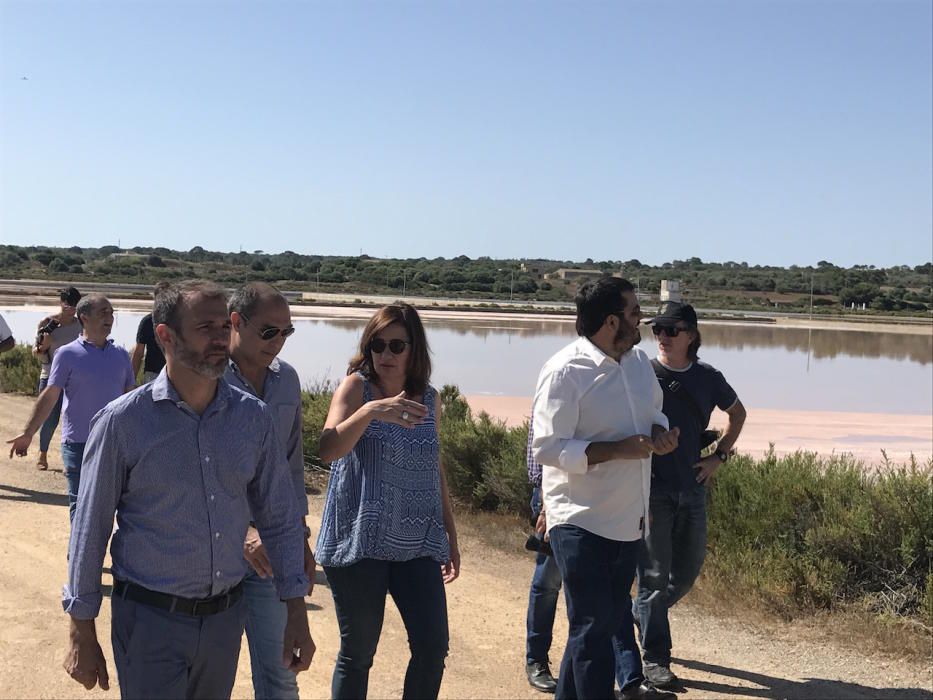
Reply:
x=384, y=497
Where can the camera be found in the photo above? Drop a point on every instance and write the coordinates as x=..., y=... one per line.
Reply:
x=49, y=327
x=45, y=330
x=536, y=543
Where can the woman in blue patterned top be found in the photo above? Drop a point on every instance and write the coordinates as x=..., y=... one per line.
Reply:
x=388, y=526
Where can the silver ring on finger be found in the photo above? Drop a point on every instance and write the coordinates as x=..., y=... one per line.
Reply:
x=404, y=415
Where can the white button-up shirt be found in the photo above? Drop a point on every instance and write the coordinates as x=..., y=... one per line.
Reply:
x=585, y=396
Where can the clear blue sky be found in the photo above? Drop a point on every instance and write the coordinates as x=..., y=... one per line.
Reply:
x=767, y=132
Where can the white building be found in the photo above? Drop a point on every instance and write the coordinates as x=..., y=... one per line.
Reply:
x=670, y=290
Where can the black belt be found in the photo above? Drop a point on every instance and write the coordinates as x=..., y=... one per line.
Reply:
x=174, y=603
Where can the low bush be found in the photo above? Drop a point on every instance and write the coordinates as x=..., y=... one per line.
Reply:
x=19, y=370
x=804, y=532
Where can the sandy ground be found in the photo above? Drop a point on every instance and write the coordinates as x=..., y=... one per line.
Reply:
x=863, y=435
x=717, y=658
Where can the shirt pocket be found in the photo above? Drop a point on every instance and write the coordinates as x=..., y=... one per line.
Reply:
x=285, y=416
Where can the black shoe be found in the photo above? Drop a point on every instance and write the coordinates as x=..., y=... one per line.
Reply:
x=645, y=691
x=661, y=676
x=539, y=677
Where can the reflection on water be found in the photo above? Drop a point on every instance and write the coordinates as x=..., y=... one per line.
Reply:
x=822, y=343
x=769, y=366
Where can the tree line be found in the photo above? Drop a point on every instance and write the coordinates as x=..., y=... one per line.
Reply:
x=899, y=288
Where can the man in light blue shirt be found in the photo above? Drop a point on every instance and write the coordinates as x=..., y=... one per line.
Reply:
x=92, y=372
x=260, y=323
x=185, y=462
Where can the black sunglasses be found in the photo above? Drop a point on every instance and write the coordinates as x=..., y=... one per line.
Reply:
x=269, y=332
x=670, y=331
x=377, y=346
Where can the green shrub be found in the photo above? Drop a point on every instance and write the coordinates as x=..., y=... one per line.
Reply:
x=19, y=370
x=815, y=533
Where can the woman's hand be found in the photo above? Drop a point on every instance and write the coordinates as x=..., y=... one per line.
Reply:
x=398, y=410
x=451, y=570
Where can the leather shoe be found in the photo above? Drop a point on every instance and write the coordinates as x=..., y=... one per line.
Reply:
x=539, y=677
x=661, y=676
x=646, y=691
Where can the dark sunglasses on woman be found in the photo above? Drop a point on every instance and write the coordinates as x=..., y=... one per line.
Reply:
x=269, y=332
x=378, y=346
x=670, y=331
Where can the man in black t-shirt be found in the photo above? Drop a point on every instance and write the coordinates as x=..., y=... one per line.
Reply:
x=673, y=552
x=148, y=346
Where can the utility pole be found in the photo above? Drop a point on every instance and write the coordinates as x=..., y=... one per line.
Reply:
x=511, y=283
x=811, y=309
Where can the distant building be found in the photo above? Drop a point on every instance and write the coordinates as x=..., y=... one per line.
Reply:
x=571, y=274
x=533, y=270
x=670, y=290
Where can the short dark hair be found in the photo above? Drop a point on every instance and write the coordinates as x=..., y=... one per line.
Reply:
x=69, y=295
x=169, y=300
x=86, y=305
x=246, y=299
x=596, y=300
x=159, y=287
x=418, y=373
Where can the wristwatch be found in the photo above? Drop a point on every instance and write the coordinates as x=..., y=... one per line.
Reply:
x=723, y=455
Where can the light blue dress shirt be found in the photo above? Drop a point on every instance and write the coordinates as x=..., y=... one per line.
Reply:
x=183, y=487
x=282, y=393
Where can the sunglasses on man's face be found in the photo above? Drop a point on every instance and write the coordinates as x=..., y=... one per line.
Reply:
x=270, y=332
x=397, y=346
x=669, y=331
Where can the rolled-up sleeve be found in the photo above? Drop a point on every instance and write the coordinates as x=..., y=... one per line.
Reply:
x=275, y=509
x=102, y=476
x=556, y=413
x=296, y=458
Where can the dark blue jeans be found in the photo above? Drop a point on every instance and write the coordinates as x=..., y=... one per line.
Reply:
x=668, y=565
x=359, y=592
x=542, y=599
x=48, y=427
x=72, y=456
x=597, y=574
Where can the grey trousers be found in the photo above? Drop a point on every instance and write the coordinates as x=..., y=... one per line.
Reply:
x=159, y=654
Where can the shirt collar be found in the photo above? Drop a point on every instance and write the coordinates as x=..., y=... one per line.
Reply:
x=273, y=367
x=589, y=349
x=85, y=342
x=164, y=390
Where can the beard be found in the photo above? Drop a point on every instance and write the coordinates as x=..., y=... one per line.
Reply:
x=200, y=363
x=627, y=337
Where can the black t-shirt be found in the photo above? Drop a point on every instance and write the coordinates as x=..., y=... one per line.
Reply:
x=709, y=389
x=145, y=334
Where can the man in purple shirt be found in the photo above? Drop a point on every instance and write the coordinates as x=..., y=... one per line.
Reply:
x=91, y=372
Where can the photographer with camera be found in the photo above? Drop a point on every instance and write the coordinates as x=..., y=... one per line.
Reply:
x=54, y=332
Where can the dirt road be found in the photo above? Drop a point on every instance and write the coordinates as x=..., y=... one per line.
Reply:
x=717, y=658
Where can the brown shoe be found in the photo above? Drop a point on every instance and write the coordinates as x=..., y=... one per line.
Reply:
x=43, y=462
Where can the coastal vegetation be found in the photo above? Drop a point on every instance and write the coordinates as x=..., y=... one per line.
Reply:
x=798, y=535
x=735, y=285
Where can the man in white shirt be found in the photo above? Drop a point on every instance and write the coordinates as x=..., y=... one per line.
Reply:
x=597, y=421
